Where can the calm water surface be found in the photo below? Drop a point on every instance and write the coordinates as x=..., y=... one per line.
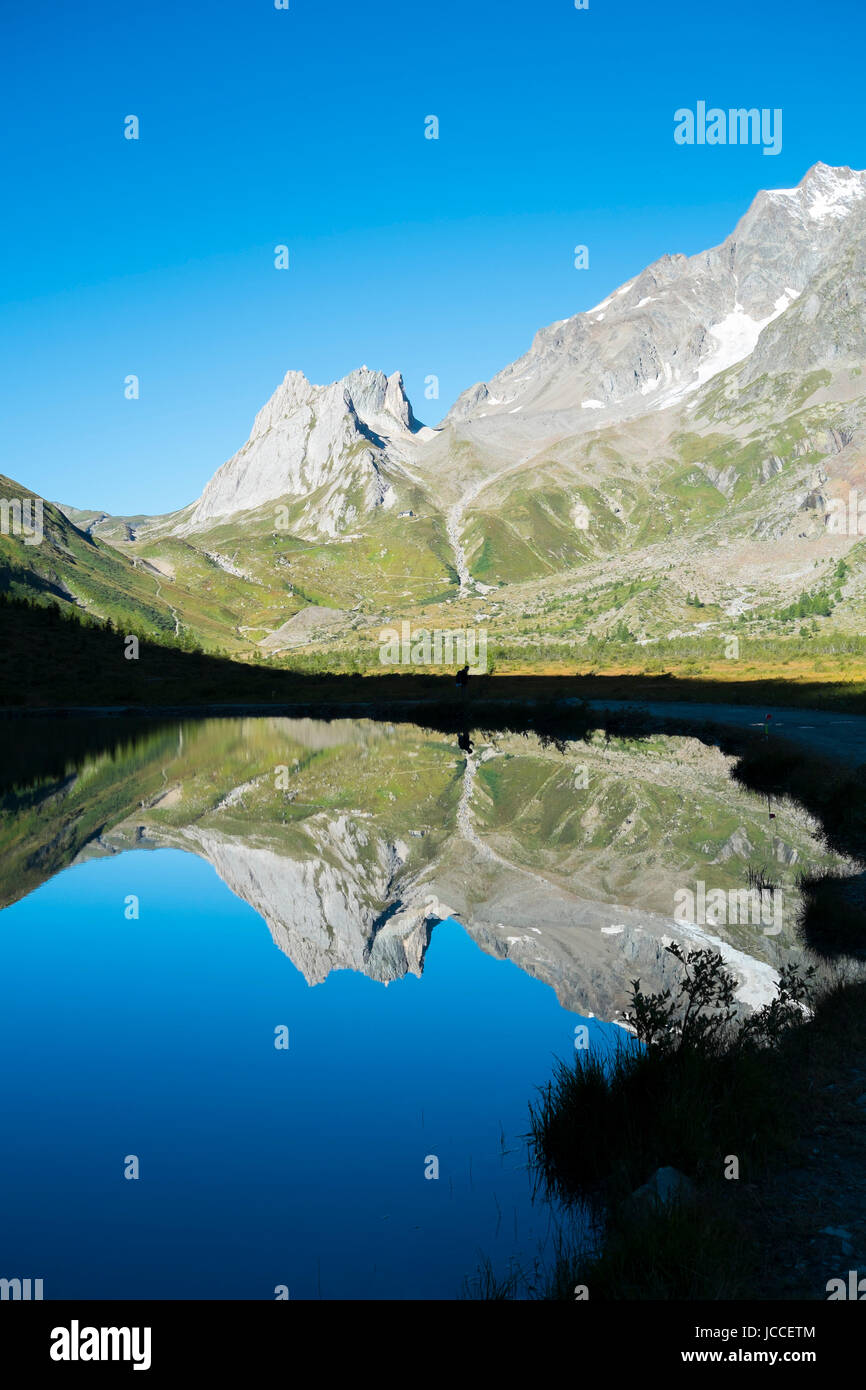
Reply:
x=278, y=869
x=258, y=1167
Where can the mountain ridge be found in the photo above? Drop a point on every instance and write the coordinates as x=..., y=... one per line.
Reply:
x=353, y=430
x=710, y=408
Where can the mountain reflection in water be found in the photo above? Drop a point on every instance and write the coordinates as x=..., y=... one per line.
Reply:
x=143, y=1003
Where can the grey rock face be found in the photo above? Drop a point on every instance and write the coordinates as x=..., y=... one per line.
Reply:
x=731, y=337
x=325, y=911
x=684, y=319
x=325, y=440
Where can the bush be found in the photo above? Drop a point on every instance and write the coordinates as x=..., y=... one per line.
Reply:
x=692, y=1085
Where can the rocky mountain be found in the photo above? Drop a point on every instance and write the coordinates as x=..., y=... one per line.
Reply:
x=683, y=320
x=334, y=446
x=352, y=840
x=658, y=466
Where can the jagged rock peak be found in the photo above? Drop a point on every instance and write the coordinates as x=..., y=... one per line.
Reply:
x=826, y=192
x=307, y=438
x=378, y=401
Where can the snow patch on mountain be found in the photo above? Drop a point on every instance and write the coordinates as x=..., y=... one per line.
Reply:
x=669, y=330
x=736, y=336
x=829, y=193
x=337, y=454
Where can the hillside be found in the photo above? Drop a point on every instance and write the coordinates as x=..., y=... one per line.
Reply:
x=674, y=470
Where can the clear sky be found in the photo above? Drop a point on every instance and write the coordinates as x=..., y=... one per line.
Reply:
x=305, y=127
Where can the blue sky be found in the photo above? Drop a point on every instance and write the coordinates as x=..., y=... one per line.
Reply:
x=305, y=127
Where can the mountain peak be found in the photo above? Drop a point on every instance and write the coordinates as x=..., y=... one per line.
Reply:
x=838, y=173
x=308, y=437
x=826, y=192
x=678, y=323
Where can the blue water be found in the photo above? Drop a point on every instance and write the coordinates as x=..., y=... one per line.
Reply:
x=258, y=1167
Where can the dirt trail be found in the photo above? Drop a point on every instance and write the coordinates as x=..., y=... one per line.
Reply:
x=154, y=573
x=171, y=608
